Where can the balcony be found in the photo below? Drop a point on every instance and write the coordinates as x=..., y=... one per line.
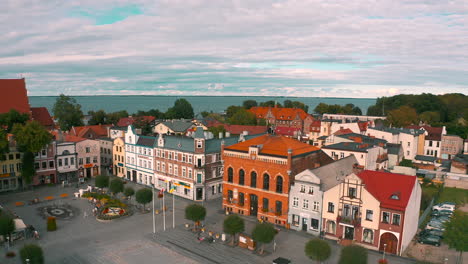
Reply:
x=355, y=221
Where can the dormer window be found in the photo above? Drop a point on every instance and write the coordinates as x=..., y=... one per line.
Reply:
x=199, y=144
x=395, y=196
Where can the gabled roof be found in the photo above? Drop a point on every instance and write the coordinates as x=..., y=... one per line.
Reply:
x=275, y=146
x=433, y=133
x=316, y=124
x=14, y=96
x=287, y=131
x=382, y=185
x=358, y=138
x=41, y=115
x=363, y=126
x=332, y=174
x=343, y=131
x=279, y=113
x=99, y=130
x=71, y=138
x=126, y=121
x=395, y=131
x=146, y=141
x=239, y=129
x=350, y=146
x=178, y=125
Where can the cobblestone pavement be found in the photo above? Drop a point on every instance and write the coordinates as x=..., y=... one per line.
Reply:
x=130, y=240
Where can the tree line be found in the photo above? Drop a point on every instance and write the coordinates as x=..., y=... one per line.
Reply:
x=450, y=110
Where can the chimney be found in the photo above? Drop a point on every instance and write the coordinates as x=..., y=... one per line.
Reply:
x=220, y=135
x=245, y=133
x=228, y=134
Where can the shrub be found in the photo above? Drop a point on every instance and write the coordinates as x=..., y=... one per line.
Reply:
x=51, y=223
x=33, y=253
x=101, y=181
x=353, y=255
x=116, y=186
x=129, y=191
x=317, y=249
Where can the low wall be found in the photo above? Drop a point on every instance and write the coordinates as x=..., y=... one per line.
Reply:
x=456, y=180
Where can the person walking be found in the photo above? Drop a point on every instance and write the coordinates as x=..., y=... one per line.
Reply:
x=85, y=214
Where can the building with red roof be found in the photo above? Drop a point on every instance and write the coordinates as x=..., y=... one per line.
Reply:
x=90, y=132
x=242, y=129
x=284, y=117
x=41, y=115
x=258, y=173
x=126, y=121
x=14, y=96
x=378, y=210
x=293, y=132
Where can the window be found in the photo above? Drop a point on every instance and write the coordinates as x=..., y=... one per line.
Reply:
x=230, y=175
x=430, y=143
x=230, y=195
x=314, y=224
x=36, y=166
x=163, y=167
x=396, y=219
x=279, y=184
x=295, y=220
x=368, y=236
x=199, y=144
x=253, y=179
x=355, y=212
x=316, y=206
x=18, y=156
x=303, y=188
x=295, y=202
x=407, y=153
x=88, y=160
x=88, y=149
x=241, y=177
x=220, y=188
x=265, y=204
x=346, y=210
x=95, y=159
x=190, y=159
x=241, y=198
x=44, y=165
x=183, y=158
x=331, y=207
x=352, y=192
x=176, y=170
x=51, y=164
x=4, y=168
x=305, y=204
x=44, y=152
x=190, y=173
x=66, y=161
x=386, y=217
x=279, y=208
x=311, y=190
x=158, y=166
x=409, y=144
x=331, y=226
x=266, y=181
x=369, y=214
x=170, y=169
x=184, y=174
x=80, y=160
x=341, y=155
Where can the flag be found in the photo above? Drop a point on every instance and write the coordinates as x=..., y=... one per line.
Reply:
x=172, y=189
x=161, y=192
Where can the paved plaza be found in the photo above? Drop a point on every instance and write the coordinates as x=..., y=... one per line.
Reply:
x=83, y=239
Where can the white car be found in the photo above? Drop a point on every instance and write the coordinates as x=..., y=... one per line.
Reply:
x=435, y=225
x=444, y=206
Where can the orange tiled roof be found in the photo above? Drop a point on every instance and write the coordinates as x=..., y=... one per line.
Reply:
x=279, y=112
x=100, y=130
x=252, y=130
x=126, y=121
x=343, y=131
x=13, y=96
x=363, y=126
x=274, y=145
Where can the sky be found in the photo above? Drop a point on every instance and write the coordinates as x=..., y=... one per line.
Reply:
x=304, y=48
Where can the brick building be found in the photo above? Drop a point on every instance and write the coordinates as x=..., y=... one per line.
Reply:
x=44, y=163
x=258, y=173
x=284, y=117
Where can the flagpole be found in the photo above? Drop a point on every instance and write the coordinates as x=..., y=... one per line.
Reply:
x=154, y=223
x=173, y=210
x=164, y=212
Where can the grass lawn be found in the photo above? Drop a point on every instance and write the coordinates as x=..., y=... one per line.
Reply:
x=458, y=196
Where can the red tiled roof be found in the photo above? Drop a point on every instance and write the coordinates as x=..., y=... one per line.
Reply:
x=287, y=131
x=279, y=113
x=363, y=126
x=13, y=96
x=382, y=185
x=433, y=133
x=343, y=131
x=126, y=121
x=71, y=138
x=99, y=130
x=274, y=145
x=41, y=115
x=238, y=129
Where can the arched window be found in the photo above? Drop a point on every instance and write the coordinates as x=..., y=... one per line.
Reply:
x=241, y=199
x=253, y=179
x=266, y=181
x=241, y=177
x=230, y=174
x=279, y=184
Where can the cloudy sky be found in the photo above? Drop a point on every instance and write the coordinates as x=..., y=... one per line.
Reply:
x=326, y=48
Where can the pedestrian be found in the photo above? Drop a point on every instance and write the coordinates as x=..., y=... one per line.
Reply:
x=36, y=234
x=85, y=214
x=95, y=211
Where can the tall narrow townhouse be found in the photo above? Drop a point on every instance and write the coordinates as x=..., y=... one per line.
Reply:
x=139, y=157
x=89, y=163
x=258, y=174
x=44, y=163
x=10, y=164
x=119, y=158
x=106, y=162
x=306, y=195
x=66, y=160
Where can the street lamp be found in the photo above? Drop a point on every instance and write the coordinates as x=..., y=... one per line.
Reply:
x=384, y=246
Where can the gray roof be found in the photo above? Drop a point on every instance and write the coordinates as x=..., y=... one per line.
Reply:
x=425, y=158
x=178, y=125
x=395, y=130
x=146, y=141
x=332, y=174
x=365, y=139
x=119, y=128
x=350, y=146
x=180, y=143
x=463, y=158
x=199, y=133
x=393, y=149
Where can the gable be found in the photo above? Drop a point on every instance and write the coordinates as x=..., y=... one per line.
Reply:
x=307, y=176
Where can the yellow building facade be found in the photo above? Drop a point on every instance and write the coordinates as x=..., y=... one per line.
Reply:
x=10, y=170
x=119, y=157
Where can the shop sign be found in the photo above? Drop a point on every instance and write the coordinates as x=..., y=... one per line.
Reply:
x=5, y=175
x=88, y=166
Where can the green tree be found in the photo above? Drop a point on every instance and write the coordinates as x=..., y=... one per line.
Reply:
x=317, y=249
x=204, y=114
x=402, y=117
x=456, y=231
x=33, y=253
x=296, y=104
x=353, y=255
x=181, y=109
x=232, y=225
x=243, y=117
x=247, y=104
x=32, y=136
x=263, y=233
x=7, y=225
x=406, y=163
x=113, y=118
x=216, y=130
x=143, y=124
x=144, y=196
x=231, y=110
x=129, y=191
x=4, y=144
x=430, y=117
x=97, y=117
x=68, y=112
x=195, y=213
x=101, y=181
x=261, y=122
x=321, y=108
x=27, y=168
x=116, y=186
x=270, y=103
x=9, y=119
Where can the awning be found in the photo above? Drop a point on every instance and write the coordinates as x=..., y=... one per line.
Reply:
x=19, y=224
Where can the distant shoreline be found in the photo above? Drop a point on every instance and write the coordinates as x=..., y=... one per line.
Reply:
x=266, y=96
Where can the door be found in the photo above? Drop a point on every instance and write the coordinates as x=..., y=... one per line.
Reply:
x=134, y=176
x=199, y=194
x=253, y=204
x=349, y=233
x=88, y=172
x=304, y=224
x=390, y=242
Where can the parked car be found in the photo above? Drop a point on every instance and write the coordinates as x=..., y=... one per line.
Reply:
x=434, y=224
x=429, y=239
x=442, y=218
x=432, y=232
x=442, y=212
x=444, y=206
